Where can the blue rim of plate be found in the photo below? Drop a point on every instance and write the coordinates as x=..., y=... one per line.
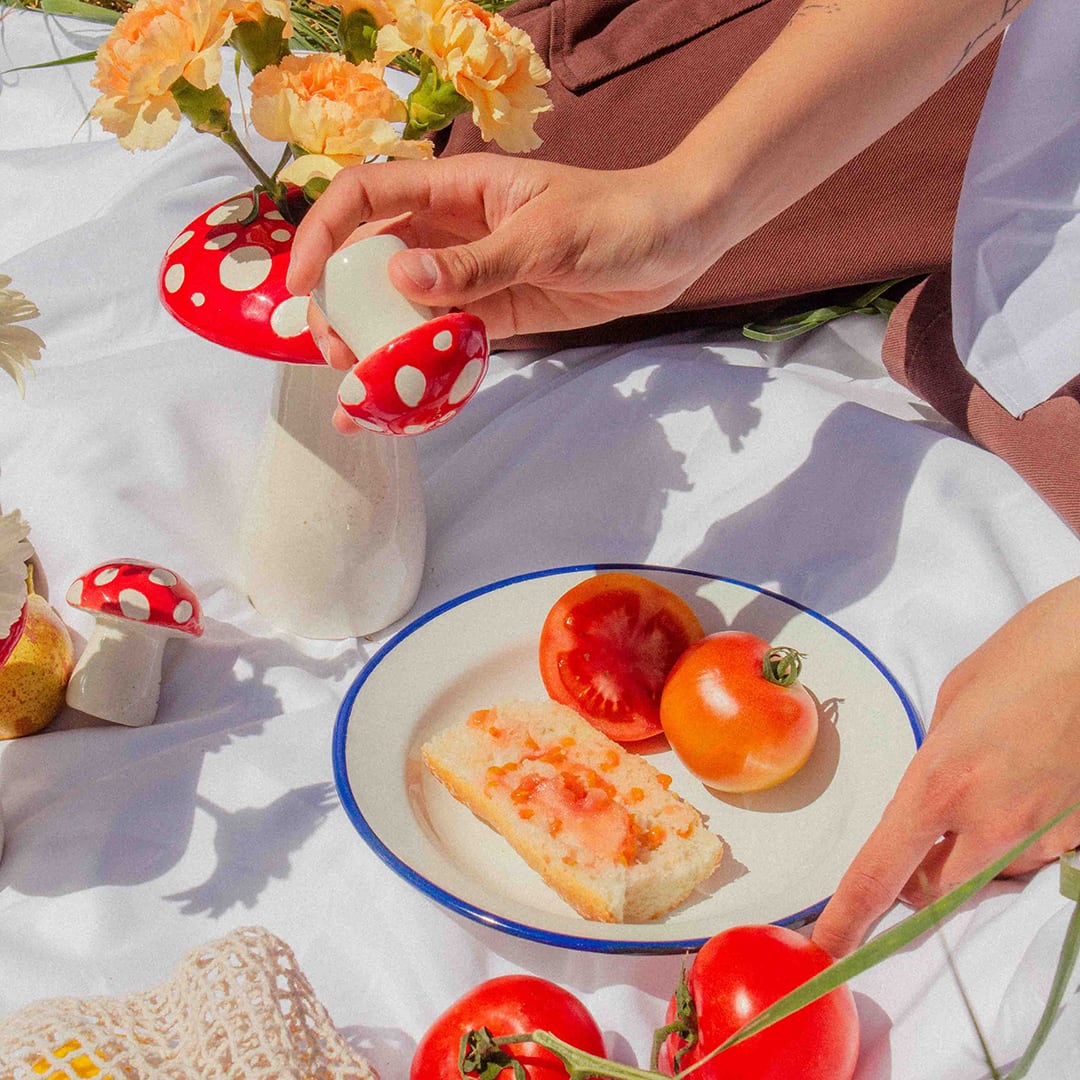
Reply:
x=511, y=926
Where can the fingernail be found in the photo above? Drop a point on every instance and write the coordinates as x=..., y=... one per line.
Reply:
x=420, y=268
x=322, y=343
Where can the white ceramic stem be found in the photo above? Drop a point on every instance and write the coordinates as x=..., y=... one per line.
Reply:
x=334, y=533
x=118, y=675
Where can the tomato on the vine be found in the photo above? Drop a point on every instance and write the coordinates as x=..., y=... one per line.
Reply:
x=739, y=973
x=606, y=648
x=736, y=714
x=508, y=1005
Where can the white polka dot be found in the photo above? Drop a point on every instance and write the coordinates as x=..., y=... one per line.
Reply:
x=174, y=277
x=443, y=340
x=160, y=576
x=222, y=240
x=245, y=269
x=281, y=235
x=235, y=210
x=289, y=318
x=180, y=241
x=74, y=594
x=182, y=612
x=415, y=429
x=198, y=299
x=466, y=381
x=274, y=214
x=351, y=391
x=134, y=604
x=103, y=577
x=369, y=425
x=410, y=384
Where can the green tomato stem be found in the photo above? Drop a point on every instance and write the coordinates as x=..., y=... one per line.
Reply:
x=782, y=665
x=581, y=1065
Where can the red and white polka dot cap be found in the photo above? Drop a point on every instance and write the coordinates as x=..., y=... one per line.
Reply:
x=140, y=592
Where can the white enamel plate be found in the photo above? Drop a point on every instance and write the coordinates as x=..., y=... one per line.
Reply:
x=786, y=848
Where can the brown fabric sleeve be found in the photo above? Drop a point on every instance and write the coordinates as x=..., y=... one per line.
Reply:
x=1043, y=446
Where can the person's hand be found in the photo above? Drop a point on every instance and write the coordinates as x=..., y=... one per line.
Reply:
x=1001, y=758
x=525, y=245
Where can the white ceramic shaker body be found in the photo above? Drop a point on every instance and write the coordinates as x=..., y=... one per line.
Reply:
x=334, y=532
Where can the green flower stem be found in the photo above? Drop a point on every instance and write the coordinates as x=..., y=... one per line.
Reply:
x=231, y=139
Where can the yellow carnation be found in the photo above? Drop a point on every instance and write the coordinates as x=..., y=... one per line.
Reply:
x=153, y=45
x=490, y=63
x=329, y=107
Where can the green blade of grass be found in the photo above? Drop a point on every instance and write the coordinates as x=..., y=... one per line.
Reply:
x=881, y=947
x=1070, y=887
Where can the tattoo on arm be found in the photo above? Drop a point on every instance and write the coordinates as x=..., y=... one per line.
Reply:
x=1008, y=7
x=824, y=8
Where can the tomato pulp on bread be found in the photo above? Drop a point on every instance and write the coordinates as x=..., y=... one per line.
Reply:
x=607, y=646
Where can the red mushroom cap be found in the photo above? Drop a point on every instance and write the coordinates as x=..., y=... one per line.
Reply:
x=141, y=592
x=420, y=379
x=226, y=282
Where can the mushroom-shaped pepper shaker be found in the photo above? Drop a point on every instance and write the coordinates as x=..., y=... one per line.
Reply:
x=138, y=607
x=415, y=370
x=420, y=379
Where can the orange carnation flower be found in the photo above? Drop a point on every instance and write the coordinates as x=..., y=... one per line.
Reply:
x=155, y=43
x=490, y=63
x=330, y=107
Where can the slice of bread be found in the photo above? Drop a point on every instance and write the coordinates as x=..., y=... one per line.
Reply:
x=596, y=821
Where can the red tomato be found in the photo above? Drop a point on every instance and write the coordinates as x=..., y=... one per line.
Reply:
x=508, y=1005
x=607, y=646
x=739, y=973
x=728, y=722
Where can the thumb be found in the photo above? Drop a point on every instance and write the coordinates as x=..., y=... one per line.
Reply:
x=455, y=276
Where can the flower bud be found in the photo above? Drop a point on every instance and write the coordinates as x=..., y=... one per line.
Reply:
x=433, y=103
x=356, y=33
x=260, y=42
x=208, y=110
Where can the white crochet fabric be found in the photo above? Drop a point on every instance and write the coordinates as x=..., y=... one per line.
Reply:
x=238, y=1008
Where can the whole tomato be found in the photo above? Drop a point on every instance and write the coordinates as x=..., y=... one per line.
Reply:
x=507, y=1005
x=606, y=648
x=736, y=714
x=739, y=973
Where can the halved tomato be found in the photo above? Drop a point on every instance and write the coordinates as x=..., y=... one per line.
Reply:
x=607, y=646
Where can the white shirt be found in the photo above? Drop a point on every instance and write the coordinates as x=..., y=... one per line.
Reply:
x=1016, y=245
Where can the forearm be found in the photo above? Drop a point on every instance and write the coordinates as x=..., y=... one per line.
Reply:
x=841, y=74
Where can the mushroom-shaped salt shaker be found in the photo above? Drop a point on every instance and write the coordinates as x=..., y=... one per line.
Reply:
x=138, y=606
x=332, y=537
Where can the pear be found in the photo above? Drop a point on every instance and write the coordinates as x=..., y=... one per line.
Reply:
x=36, y=673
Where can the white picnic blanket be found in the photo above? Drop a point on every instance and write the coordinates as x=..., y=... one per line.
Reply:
x=799, y=467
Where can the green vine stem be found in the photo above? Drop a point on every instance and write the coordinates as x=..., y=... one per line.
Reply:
x=583, y=1066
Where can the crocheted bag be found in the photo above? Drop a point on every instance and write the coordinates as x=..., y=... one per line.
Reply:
x=238, y=1008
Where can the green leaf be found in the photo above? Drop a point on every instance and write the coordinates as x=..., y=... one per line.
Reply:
x=81, y=58
x=90, y=12
x=871, y=301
